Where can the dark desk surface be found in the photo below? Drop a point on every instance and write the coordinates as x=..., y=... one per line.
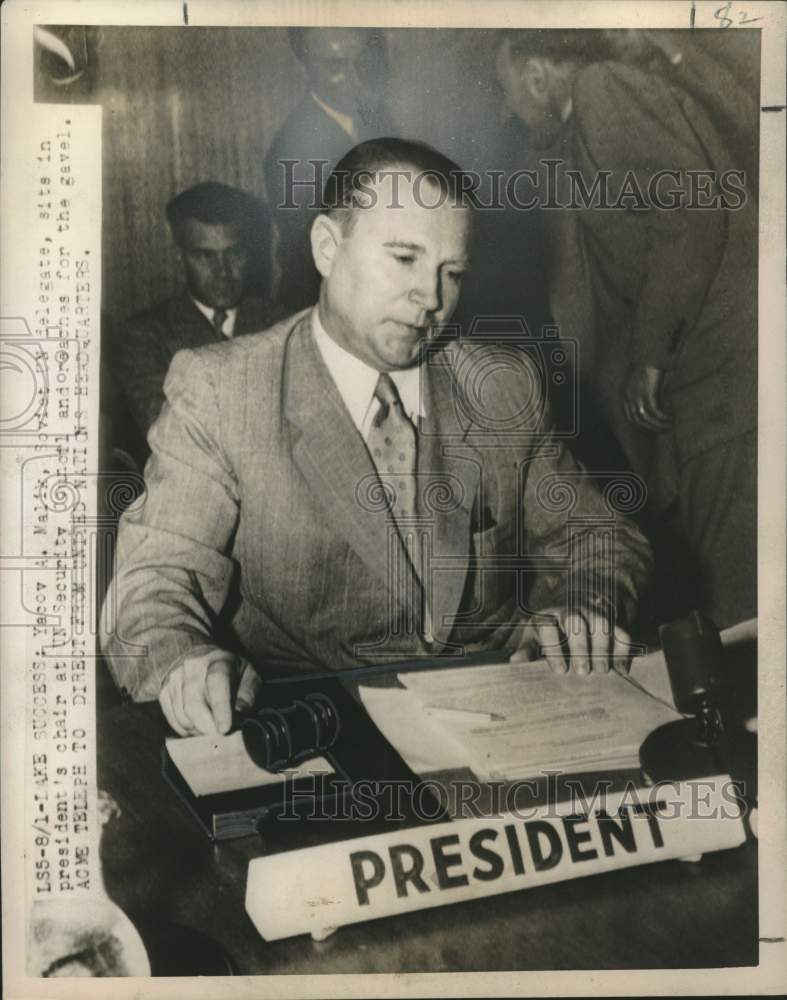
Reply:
x=159, y=866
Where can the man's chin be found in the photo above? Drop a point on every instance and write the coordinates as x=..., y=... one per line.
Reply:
x=405, y=351
x=224, y=302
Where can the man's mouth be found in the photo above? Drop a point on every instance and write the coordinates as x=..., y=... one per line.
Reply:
x=416, y=330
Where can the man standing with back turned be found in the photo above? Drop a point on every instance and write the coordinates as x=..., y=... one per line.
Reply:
x=673, y=274
x=365, y=493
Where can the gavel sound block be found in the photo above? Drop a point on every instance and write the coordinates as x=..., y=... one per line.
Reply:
x=299, y=720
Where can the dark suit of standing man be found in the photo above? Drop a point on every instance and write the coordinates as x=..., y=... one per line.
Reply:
x=343, y=489
x=673, y=276
x=212, y=225
x=346, y=71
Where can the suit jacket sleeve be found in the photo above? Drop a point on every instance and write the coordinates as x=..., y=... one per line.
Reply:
x=173, y=569
x=633, y=124
x=589, y=554
x=140, y=362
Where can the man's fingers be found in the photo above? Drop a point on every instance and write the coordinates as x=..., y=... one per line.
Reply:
x=660, y=416
x=524, y=654
x=171, y=699
x=218, y=686
x=552, y=646
x=179, y=708
x=196, y=707
x=621, y=650
x=649, y=415
x=600, y=637
x=196, y=695
x=248, y=689
x=581, y=642
x=576, y=630
x=170, y=715
x=652, y=407
x=656, y=420
x=637, y=415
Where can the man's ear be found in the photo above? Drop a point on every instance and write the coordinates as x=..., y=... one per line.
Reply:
x=326, y=235
x=535, y=76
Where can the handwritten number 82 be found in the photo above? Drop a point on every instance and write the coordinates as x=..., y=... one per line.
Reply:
x=722, y=15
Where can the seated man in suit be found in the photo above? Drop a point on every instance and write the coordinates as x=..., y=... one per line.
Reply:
x=215, y=229
x=346, y=489
x=346, y=73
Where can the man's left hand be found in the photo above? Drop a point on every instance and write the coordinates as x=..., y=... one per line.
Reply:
x=579, y=641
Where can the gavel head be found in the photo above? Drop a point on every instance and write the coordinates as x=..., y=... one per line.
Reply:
x=277, y=738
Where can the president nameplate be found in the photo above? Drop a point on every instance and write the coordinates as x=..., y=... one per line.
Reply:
x=319, y=889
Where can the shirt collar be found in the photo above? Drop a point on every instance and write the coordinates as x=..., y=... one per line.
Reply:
x=228, y=326
x=345, y=122
x=356, y=380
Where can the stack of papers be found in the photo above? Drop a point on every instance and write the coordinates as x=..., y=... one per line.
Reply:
x=512, y=721
x=522, y=720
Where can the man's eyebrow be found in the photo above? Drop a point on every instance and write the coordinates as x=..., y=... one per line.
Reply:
x=402, y=245
x=417, y=247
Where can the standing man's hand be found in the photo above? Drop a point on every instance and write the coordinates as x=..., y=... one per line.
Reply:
x=578, y=641
x=642, y=399
x=197, y=697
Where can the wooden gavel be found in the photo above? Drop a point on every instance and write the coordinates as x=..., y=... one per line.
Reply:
x=277, y=738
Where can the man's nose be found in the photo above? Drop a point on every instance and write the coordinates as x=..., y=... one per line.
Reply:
x=426, y=292
x=223, y=265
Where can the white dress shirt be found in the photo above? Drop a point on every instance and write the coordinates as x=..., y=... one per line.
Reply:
x=228, y=326
x=345, y=122
x=356, y=382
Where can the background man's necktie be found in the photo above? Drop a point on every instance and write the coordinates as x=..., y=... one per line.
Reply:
x=219, y=316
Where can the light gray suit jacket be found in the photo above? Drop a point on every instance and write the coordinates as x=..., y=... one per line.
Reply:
x=262, y=530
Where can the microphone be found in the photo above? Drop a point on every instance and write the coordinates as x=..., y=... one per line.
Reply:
x=693, y=653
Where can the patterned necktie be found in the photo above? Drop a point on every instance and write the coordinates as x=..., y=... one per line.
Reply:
x=219, y=317
x=392, y=443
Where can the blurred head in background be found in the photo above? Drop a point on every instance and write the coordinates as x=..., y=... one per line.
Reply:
x=346, y=68
x=211, y=225
x=536, y=72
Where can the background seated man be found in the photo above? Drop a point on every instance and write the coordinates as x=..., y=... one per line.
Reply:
x=215, y=228
x=346, y=489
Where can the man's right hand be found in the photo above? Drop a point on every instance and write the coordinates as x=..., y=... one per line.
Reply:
x=197, y=696
x=642, y=405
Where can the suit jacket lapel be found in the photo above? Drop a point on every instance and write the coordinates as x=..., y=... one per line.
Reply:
x=333, y=458
x=247, y=318
x=188, y=327
x=254, y=315
x=446, y=458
